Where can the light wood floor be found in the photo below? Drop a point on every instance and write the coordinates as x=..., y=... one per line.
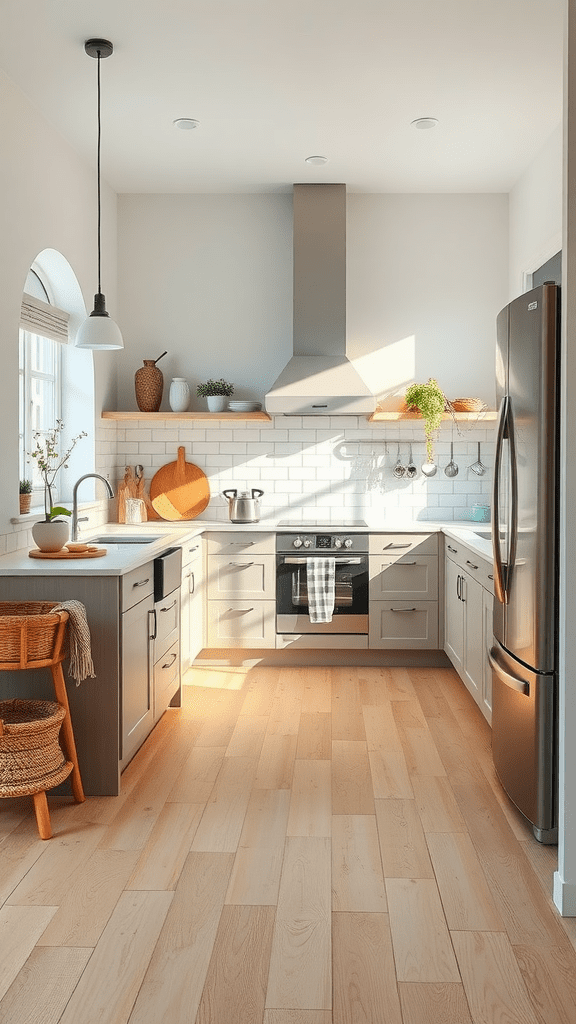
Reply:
x=293, y=846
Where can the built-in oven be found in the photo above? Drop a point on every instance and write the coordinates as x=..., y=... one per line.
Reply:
x=349, y=553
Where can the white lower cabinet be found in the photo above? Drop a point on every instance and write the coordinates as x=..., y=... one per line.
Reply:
x=192, y=602
x=403, y=591
x=468, y=620
x=241, y=590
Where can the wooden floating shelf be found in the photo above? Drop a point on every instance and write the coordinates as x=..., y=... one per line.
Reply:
x=380, y=416
x=263, y=417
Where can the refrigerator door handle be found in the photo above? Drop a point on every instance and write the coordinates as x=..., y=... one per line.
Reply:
x=520, y=685
x=499, y=585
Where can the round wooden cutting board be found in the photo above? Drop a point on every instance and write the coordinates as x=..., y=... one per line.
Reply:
x=179, y=490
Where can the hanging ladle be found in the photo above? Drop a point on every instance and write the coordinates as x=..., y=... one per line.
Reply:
x=411, y=470
x=451, y=468
x=399, y=470
x=478, y=467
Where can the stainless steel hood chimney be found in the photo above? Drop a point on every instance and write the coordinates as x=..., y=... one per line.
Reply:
x=320, y=379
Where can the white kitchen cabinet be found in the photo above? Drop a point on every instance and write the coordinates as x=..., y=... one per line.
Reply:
x=403, y=591
x=192, y=602
x=241, y=586
x=136, y=653
x=468, y=620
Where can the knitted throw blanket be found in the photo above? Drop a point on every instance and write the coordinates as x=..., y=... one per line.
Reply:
x=81, y=666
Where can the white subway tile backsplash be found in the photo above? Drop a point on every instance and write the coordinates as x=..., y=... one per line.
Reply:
x=313, y=465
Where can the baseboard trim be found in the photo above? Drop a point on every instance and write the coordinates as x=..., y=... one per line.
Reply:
x=320, y=656
x=564, y=896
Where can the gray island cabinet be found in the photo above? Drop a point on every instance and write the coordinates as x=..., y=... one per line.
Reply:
x=113, y=713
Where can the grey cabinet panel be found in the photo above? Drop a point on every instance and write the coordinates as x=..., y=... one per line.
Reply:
x=137, y=698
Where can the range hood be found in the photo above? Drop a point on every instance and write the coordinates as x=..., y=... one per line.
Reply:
x=320, y=379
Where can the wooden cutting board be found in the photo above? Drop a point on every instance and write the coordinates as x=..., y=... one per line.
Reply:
x=179, y=490
x=95, y=553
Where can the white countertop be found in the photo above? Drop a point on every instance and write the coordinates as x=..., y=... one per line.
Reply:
x=121, y=558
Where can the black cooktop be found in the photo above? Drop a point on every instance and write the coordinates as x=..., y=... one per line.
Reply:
x=314, y=524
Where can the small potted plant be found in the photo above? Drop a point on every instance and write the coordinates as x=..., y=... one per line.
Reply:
x=25, y=496
x=51, y=533
x=215, y=392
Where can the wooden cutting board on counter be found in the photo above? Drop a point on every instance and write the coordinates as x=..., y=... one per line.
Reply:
x=94, y=553
x=179, y=490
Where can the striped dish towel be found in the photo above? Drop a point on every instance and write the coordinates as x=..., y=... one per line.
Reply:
x=320, y=574
x=81, y=666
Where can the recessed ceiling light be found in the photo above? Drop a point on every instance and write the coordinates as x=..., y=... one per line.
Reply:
x=186, y=123
x=316, y=160
x=424, y=122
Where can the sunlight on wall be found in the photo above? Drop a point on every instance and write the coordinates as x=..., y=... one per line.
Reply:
x=389, y=369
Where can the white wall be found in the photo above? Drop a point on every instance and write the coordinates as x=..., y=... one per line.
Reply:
x=47, y=200
x=536, y=213
x=210, y=279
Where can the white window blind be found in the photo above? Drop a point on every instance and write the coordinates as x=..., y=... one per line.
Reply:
x=41, y=318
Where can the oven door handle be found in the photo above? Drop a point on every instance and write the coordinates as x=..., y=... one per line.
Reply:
x=337, y=561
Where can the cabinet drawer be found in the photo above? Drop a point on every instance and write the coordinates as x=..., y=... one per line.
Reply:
x=166, y=679
x=238, y=624
x=478, y=567
x=403, y=624
x=191, y=550
x=240, y=543
x=167, y=623
x=137, y=584
x=241, y=576
x=411, y=576
x=403, y=543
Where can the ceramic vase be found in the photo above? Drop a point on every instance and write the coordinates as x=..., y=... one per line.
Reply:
x=50, y=536
x=179, y=395
x=149, y=385
x=216, y=403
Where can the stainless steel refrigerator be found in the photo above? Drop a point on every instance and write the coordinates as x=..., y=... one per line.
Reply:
x=524, y=653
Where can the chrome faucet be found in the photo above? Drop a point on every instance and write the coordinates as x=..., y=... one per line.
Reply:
x=75, y=519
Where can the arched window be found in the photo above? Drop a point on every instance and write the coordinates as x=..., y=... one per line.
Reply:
x=56, y=379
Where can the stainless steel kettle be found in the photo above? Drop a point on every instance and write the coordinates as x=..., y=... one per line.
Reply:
x=244, y=507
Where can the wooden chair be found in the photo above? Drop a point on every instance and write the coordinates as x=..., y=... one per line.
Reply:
x=31, y=637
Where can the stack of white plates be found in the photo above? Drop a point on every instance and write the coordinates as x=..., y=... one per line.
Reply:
x=244, y=406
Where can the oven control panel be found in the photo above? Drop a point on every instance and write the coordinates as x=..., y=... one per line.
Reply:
x=319, y=542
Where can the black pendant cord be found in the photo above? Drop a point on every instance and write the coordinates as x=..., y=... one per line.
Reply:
x=98, y=178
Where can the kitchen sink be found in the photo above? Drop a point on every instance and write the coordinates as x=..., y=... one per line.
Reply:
x=124, y=539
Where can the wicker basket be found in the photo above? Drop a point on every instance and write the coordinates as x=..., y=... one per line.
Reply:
x=468, y=404
x=30, y=756
x=28, y=631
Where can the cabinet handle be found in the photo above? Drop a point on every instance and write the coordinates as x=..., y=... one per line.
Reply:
x=403, y=609
x=152, y=632
x=471, y=564
x=170, y=606
x=458, y=579
x=245, y=564
x=241, y=610
x=387, y=547
x=167, y=664
x=490, y=576
x=141, y=583
x=240, y=543
x=195, y=548
x=407, y=563
x=463, y=589
x=191, y=583
x=453, y=550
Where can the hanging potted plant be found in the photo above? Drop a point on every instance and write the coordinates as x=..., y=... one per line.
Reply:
x=52, y=532
x=215, y=392
x=431, y=403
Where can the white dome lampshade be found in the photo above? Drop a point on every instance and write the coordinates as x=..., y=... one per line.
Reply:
x=99, y=331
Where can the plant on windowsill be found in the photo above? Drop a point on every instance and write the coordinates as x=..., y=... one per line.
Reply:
x=51, y=533
x=215, y=392
x=25, y=496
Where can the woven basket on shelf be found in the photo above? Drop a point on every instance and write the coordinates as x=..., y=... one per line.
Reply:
x=28, y=632
x=30, y=756
x=468, y=404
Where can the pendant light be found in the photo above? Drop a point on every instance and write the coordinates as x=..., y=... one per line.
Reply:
x=99, y=331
